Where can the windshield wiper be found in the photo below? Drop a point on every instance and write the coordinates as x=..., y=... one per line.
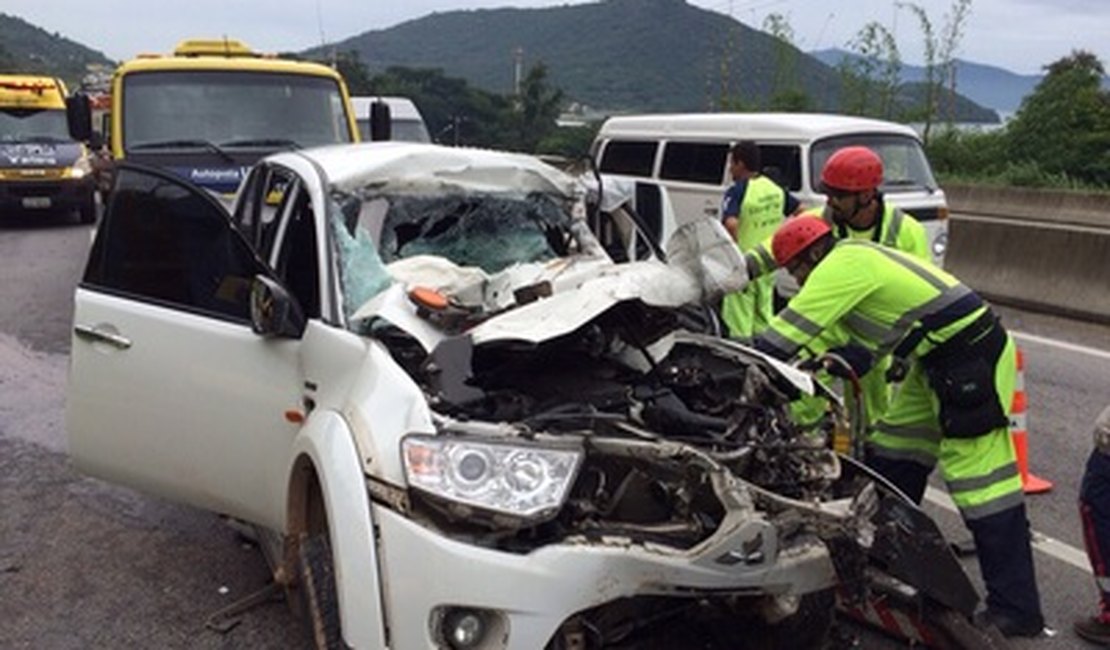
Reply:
x=262, y=142
x=176, y=144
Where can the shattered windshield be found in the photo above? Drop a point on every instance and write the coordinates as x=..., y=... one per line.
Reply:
x=483, y=230
x=491, y=232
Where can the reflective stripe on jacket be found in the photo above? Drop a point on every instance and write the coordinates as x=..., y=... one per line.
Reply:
x=896, y=228
x=877, y=293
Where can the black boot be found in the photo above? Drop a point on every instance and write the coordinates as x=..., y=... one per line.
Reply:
x=1095, y=629
x=1006, y=562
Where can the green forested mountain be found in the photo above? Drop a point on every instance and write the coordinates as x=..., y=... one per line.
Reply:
x=614, y=54
x=25, y=48
x=638, y=55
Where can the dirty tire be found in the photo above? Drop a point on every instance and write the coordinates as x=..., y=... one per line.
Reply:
x=956, y=632
x=321, y=604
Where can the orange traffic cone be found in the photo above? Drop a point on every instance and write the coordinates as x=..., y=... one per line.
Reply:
x=1019, y=433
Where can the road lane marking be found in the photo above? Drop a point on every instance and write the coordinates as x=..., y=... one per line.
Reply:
x=1072, y=347
x=1041, y=542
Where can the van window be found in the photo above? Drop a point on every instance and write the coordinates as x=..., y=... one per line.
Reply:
x=905, y=167
x=783, y=164
x=694, y=162
x=628, y=158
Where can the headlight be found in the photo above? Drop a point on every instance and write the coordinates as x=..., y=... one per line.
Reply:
x=80, y=168
x=940, y=245
x=524, y=480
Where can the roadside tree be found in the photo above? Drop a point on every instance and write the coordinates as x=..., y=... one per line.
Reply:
x=870, y=80
x=1063, y=126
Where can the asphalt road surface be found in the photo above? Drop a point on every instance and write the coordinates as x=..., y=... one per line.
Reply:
x=87, y=565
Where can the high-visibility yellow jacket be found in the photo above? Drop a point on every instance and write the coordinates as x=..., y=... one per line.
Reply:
x=878, y=295
x=894, y=228
x=760, y=212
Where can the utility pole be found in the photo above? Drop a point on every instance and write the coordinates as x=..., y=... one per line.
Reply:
x=518, y=70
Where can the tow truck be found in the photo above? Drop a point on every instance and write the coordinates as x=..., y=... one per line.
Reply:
x=214, y=107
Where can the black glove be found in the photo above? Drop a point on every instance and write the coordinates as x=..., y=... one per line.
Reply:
x=812, y=364
x=766, y=347
x=898, y=368
x=857, y=358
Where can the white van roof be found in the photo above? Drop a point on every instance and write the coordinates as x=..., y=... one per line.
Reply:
x=400, y=108
x=760, y=126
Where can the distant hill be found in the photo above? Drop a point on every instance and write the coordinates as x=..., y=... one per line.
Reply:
x=614, y=55
x=985, y=85
x=26, y=48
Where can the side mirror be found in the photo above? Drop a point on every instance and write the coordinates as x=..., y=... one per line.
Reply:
x=381, y=121
x=274, y=313
x=79, y=117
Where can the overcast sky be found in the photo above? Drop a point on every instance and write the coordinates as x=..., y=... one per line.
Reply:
x=1018, y=35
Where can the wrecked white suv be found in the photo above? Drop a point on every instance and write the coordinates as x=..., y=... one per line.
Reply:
x=459, y=423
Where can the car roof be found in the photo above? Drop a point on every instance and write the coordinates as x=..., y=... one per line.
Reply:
x=415, y=166
x=758, y=126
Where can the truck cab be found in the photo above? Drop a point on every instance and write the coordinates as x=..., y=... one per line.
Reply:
x=214, y=107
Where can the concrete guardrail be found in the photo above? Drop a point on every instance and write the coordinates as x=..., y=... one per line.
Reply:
x=1038, y=249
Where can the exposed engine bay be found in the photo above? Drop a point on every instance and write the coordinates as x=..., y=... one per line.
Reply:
x=630, y=375
x=685, y=434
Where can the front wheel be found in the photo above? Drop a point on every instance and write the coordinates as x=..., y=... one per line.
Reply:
x=318, y=595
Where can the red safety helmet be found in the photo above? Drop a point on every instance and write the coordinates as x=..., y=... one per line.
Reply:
x=853, y=169
x=795, y=236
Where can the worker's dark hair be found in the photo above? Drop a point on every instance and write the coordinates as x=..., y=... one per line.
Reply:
x=747, y=152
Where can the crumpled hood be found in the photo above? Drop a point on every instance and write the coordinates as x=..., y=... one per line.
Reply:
x=581, y=289
x=39, y=154
x=566, y=292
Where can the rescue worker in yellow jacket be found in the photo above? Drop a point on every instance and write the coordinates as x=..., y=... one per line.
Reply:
x=751, y=211
x=855, y=209
x=953, y=404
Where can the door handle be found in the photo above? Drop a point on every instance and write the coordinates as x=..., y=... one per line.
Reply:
x=90, y=333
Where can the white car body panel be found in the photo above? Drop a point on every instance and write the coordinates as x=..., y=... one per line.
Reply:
x=385, y=405
x=423, y=570
x=226, y=442
x=327, y=441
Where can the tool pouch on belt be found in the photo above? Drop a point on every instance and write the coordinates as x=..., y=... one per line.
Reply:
x=961, y=372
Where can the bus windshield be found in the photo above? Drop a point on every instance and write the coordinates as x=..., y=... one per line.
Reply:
x=230, y=110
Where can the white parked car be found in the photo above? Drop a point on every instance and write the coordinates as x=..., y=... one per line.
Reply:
x=458, y=423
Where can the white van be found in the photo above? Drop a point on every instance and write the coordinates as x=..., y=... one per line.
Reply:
x=407, y=122
x=688, y=154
